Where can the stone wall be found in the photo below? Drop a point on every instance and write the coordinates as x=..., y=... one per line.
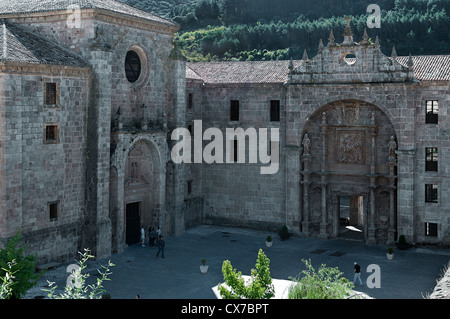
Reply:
x=237, y=193
x=37, y=173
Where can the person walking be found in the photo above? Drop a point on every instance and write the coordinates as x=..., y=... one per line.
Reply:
x=357, y=275
x=161, y=245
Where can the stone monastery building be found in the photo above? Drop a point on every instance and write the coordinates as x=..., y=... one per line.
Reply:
x=92, y=90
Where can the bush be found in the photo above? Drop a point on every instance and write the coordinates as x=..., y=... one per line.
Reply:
x=326, y=283
x=77, y=288
x=284, y=233
x=14, y=261
x=7, y=281
x=260, y=286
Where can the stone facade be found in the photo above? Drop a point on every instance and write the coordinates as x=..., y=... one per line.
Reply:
x=353, y=127
x=111, y=148
x=90, y=96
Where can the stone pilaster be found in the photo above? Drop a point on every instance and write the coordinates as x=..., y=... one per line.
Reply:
x=405, y=194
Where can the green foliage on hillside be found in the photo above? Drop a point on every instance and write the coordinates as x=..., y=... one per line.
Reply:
x=280, y=29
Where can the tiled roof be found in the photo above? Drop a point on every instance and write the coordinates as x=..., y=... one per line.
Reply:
x=429, y=67
x=32, y=6
x=241, y=72
x=18, y=45
x=426, y=68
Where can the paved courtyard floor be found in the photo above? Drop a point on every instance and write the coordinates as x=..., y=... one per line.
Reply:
x=412, y=274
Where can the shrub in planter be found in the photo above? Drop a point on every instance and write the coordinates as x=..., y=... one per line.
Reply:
x=284, y=233
x=204, y=267
x=402, y=244
x=269, y=241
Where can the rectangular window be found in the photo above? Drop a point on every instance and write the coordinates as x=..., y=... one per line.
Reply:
x=50, y=96
x=431, y=229
x=51, y=134
x=432, y=108
x=53, y=210
x=189, y=187
x=275, y=111
x=234, y=110
x=431, y=193
x=190, y=101
x=431, y=159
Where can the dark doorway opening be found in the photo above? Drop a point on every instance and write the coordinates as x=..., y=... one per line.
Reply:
x=132, y=223
x=351, y=216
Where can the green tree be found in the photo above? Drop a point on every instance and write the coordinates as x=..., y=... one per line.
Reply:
x=259, y=287
x=326, y=283
x=23, y=268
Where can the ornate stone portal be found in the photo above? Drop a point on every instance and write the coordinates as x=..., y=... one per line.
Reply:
x=349, y=150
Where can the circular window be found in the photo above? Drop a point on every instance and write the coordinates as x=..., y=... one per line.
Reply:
x=350, y=58
x=133, y=66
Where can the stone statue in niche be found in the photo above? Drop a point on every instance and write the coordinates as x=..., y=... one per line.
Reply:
x=306, y=145
x=392, y=148
x=134, y=172
x=350, y=148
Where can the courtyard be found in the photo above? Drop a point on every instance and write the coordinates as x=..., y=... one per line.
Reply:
x=412, y=274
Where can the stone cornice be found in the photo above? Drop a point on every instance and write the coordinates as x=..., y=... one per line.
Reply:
x=95, y=14
x=23, y=68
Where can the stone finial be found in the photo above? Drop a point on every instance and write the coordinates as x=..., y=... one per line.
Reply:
x=410, y=63
x=365, y=38
x=291, y=65
x=324, y=118
x=320, y=45
x=377, y=42
x=331, y=39
x=394, y=53
x=305, y=56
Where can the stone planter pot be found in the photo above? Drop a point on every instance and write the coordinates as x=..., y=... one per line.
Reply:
x=390, y=256
x=204, y=269
x=269, y=243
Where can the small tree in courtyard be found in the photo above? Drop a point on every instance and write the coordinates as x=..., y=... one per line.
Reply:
x=23, y=267
x=77, y=287
x=259, y=287
x=326, y=283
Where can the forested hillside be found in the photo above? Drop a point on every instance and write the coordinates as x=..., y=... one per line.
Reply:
x=280, y=29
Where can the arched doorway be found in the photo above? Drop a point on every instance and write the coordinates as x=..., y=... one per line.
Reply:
x=347, y=156
x=136, y=191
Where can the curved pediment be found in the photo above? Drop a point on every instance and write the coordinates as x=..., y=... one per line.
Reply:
x=350, y=62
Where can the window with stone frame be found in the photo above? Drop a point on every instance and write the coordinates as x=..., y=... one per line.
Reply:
x=51, y=134
x=51, y=98
x=431, y=193
x=431, y=229
x=432, y=110
x=275, y=110
x=189, y=187
x=190, y=101
x=234, y=110
x=53, y=211
x=431, y=159
x=133, y=66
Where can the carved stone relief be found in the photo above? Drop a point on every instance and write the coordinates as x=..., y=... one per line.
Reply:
x=350, y=147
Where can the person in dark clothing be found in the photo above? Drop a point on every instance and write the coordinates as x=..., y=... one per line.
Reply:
x=357, y=273
x=161, y=245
